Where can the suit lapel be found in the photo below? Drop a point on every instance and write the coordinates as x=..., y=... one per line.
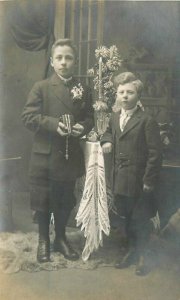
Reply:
x=62, y=92
x=116, y=123
x=132, y=122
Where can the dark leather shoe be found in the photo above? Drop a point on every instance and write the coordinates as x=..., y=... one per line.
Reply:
x=128, y=259
x=141, y=268
x=43, y=251
x=62, y=246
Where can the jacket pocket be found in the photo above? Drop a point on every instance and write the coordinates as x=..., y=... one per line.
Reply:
x=42, y=144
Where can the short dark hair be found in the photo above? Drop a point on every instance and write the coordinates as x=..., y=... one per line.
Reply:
x=128, y=77
x=64, y=42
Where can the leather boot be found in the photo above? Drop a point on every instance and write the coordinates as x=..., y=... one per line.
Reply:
x=131, y=256
x=43, y=251
x=128, y=259
x=61, y=244
x=141, y=268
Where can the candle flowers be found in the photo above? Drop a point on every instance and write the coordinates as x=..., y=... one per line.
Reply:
x=108, y=61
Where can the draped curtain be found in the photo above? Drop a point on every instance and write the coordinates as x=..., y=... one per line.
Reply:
x=32, y=25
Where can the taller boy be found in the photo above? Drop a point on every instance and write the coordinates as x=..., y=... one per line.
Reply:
x=52, y=175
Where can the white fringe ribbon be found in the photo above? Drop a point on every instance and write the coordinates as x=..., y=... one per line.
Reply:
x=93, y=209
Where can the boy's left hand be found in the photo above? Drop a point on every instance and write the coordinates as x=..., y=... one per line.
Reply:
x=77, y=129
x=147, y=188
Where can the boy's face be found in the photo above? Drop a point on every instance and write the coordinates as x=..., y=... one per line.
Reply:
x=127, y=96
x=63, y=61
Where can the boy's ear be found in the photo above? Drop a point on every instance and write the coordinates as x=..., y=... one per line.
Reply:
x=51, y=61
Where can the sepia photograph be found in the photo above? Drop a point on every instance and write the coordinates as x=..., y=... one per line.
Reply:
x=89, y=150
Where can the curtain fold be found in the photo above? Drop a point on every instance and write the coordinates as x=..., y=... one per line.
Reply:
x=32, y=25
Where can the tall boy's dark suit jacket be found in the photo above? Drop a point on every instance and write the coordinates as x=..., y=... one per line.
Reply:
x=136, y=153
x=47, y=101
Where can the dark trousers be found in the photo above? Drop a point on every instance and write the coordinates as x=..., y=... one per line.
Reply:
x=63, y=201
x=137, y=213
x=58, y=198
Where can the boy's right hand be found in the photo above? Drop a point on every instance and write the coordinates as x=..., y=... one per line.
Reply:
x=107, y=147
x=62, y=129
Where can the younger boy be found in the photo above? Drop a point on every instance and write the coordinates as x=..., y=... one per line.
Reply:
x=56, y=159
x=134, y=138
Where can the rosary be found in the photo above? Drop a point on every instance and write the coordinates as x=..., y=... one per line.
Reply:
x=68, y=121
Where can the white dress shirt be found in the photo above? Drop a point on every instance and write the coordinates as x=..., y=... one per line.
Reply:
x=125, y=116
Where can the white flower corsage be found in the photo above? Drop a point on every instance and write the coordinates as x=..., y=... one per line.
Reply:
x=77, y=92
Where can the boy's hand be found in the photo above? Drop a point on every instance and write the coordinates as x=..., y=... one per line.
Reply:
x=147, y=188
x=77, y=129
x=107, y=147
x=62, y=129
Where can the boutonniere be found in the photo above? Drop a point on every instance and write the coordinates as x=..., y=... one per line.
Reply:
x=77, y=92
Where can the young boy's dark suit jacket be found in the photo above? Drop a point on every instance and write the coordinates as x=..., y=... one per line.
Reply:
x=136, y=153
x=48, y=100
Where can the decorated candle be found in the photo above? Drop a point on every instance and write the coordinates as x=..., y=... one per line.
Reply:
x=100, y=78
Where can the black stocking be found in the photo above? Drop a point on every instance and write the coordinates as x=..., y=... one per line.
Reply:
x=43, y=222
x=61, y=219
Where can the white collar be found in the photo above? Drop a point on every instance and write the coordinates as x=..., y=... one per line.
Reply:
x=65, y=80
x=128, y=112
